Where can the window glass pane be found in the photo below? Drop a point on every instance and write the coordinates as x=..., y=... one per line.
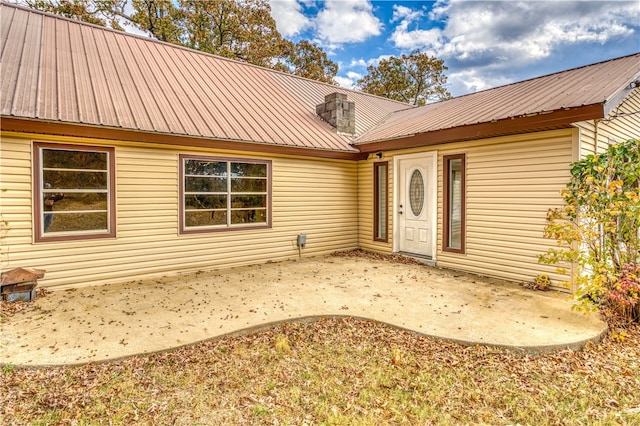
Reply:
x=205, y=168
x=248, y=216
x=247, y=201
x=210, y=199
x=249, y=169
x=75, y=191
x=205, y=184
x=75, y=201
x=416, y=192
x=75, y=179
x=201, y=202
x=381, y=201
x=248, y=185
x=205, y=218
x=455, y=204
x=55, y=221
x=63, y=159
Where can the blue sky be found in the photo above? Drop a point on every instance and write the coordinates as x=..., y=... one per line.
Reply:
x=483, y=43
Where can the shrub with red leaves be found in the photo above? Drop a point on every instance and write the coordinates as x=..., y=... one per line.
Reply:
x=625, y=293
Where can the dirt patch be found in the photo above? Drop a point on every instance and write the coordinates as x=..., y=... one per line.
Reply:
x=391, y=258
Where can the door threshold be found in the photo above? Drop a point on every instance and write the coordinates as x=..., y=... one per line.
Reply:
x=426, y=260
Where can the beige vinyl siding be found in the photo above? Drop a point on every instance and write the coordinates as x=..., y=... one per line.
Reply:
x=623, y=123
x=365, y=207
x=511, y=184
x=311, y=196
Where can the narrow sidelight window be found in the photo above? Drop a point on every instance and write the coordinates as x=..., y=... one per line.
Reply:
x=74, y=187
x=380, y=201
x=454, y=203
x=220, y=194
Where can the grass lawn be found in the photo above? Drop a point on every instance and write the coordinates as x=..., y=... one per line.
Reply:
x=336, y=371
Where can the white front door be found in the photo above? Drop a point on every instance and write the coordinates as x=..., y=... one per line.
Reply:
x=416, y=204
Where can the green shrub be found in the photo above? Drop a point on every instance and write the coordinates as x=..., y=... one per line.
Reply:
x=597, y=229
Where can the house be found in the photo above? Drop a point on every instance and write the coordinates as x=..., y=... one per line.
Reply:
x=125, y=158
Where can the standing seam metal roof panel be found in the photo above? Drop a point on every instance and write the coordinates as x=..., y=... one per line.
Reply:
x=96, y=76
x=47, y=88
x=158, y=68
x=12, y=59
x=302, y=121
x=25, y=99
x=228, y=88
x=190, y=99
x=102, y=96
x=196, y=74
x=87, y=108
x=67, y=91
x=142, y=117
x=6, y=19
x=124, y=116
x=588, y=85
x=153, y=95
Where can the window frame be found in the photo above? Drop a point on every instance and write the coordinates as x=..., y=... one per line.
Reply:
x=376, y=201
x=184, y=230
x=38, y=208
x=446, y=160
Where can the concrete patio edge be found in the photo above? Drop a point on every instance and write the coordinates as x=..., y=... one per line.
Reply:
x=113, y=322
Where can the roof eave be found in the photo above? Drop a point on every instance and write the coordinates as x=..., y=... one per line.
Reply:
x=41, y=127
x=524, y=124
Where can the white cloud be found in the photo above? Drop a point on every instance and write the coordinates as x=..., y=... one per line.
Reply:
x=347, y=22
x=345, y=82
x=348, y=81
x=289, y=18
x=473, y=80
x=361, y=63
x=376, y=61
x=484, y=33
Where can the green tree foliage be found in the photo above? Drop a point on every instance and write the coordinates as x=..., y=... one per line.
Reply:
x=597, y=230
x=308, y=60
x=242, y=30
x=80, y=10
x=416, y=79
x=238, y=29
x=161, y=18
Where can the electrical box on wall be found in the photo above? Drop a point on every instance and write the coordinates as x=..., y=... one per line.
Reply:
x=302, y=240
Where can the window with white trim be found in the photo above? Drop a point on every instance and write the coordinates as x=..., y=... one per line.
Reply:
x=220, y=193
x=74, y=187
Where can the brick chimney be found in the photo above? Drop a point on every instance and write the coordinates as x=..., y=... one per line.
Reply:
x=338, y=112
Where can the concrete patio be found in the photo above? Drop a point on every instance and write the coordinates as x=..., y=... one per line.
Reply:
x=95, y=324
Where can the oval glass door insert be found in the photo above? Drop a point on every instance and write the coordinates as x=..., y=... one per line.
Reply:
x=416, y=192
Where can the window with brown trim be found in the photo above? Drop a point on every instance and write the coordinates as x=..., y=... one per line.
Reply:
x=454, y=203
x=222, y=194
x=74, y=192
x=380, y=201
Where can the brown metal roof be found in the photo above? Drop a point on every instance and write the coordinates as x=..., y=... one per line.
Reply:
x=551, y=101
x=63, y=71
x=57, y=73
